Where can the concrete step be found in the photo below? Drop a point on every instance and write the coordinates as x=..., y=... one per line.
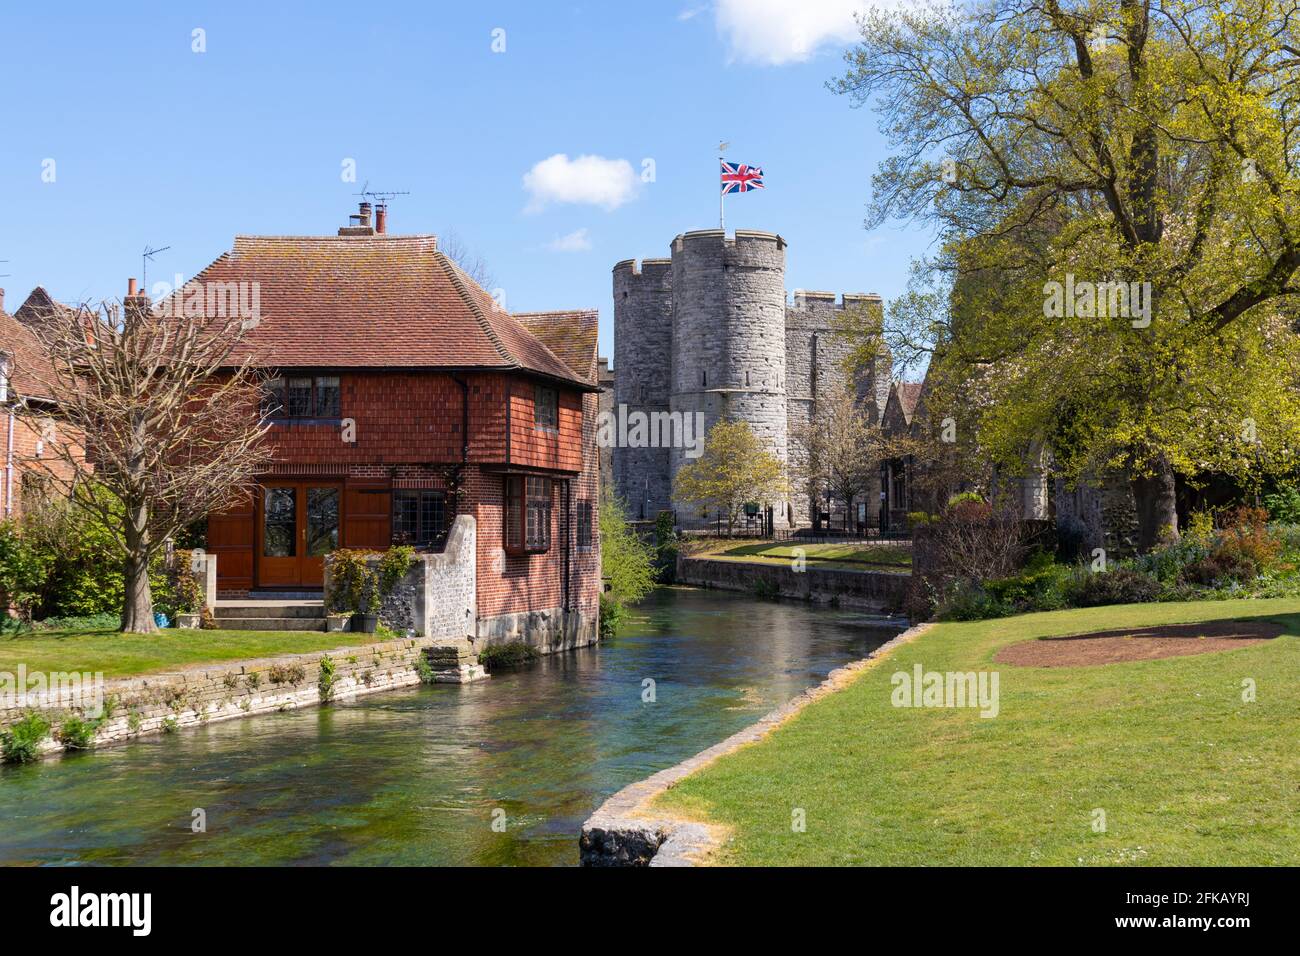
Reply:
x=273, y=623
x=264, y=609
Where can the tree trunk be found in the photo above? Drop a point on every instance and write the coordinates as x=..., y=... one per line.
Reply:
x=1157, y=510
x=137, y=610
x=137, y=606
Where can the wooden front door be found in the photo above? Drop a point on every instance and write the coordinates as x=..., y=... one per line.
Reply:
x=297, y=525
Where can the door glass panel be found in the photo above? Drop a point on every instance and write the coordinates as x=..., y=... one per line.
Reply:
x=322, y=521
x=280, y=506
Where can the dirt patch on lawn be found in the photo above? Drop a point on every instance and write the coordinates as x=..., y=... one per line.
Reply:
x=1138, y=644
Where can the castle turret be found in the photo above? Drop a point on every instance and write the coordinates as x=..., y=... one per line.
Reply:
x=728, y=338
x=643, y=335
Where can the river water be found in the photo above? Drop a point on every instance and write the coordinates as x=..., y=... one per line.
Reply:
x=420, y=776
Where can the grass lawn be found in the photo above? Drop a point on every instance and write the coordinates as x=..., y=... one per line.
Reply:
x=854, y=557
x=1185, y=771
x=126, y=655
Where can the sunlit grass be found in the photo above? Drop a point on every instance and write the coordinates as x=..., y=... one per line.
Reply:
x=1185, y=771
x=122, y=655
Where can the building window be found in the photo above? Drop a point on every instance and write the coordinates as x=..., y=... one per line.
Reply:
x=546, y=407
x=584, y=526
x=527, y=514
x=420, y=518
x=301, y=396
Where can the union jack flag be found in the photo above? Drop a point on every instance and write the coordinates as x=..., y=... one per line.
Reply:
x=739, y=178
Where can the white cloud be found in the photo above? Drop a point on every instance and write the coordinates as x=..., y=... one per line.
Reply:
x=576, y=241
x=593, y=180
x=773, y=32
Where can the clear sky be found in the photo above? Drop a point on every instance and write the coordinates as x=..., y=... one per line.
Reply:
x=483, y=111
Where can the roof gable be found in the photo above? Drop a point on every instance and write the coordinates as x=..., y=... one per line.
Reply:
x=363, y=302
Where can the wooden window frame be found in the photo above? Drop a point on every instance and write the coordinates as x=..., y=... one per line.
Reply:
x=279, y=411
x=546, y=414
x=527, y=504
x=424, y=497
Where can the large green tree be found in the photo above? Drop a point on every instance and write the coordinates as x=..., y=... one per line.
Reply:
x=1113, y=185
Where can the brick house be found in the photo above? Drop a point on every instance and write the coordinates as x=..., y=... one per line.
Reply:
x=402, y=396
x=27, y=468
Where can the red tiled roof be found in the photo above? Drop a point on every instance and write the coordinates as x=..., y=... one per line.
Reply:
x=372, y=302
x=570, y=334
x=908, y=395
x=30, y=364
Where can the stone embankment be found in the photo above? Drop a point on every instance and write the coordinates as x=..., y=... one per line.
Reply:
x=868, y=590
x=161, y=703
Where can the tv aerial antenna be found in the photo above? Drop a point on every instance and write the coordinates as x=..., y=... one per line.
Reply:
x=145, y=258
x=380, y=196
x=3, y=275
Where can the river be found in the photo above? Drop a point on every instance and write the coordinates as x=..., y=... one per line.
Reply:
x=502, y=771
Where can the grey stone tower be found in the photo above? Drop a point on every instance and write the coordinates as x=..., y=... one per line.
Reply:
x=728, y=338
x=643, y=347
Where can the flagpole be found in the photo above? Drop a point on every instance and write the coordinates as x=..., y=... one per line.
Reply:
x=722, y=196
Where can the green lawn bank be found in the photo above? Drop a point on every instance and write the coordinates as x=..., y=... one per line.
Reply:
x=1158, y=762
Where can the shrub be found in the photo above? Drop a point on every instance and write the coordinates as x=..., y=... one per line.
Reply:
x=1284, y=505
x=286, y=673
x=423, y=669
x=1041, y=586
x=509, y=654
x=765, y=590
x=1118, y=586
x=20, y=743
x=184, y=594
x=357, y=588
x=611, y=615
x=666, y=548
x=77, y=733
x=325, y=680
x=968, y=601
x=23, y=570
x=1245, y=539
x=1219, y=567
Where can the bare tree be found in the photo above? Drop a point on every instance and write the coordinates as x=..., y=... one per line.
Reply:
x=469, y=260
x=841, y=449
x=168, y=417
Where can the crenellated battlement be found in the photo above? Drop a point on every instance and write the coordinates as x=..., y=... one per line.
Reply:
x=806, y=299
x=636, y=267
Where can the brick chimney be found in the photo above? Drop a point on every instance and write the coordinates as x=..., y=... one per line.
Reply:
x=359, y=223
x=381, y=219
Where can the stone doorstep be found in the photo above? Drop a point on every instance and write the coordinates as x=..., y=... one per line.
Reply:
x=626, y=831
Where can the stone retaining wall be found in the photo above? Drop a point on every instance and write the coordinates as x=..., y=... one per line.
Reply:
x=166, y=702
x=870, y=590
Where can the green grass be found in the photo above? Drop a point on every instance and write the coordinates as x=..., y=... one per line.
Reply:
x=1186, y=772
x=848, y=556
x=126, y=655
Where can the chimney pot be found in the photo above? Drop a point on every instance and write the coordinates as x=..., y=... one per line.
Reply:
x=365, y=214
x=381, y=220
x=2, y=300
x=130, y=287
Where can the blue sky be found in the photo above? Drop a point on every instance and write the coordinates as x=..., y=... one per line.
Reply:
x=156, y=145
